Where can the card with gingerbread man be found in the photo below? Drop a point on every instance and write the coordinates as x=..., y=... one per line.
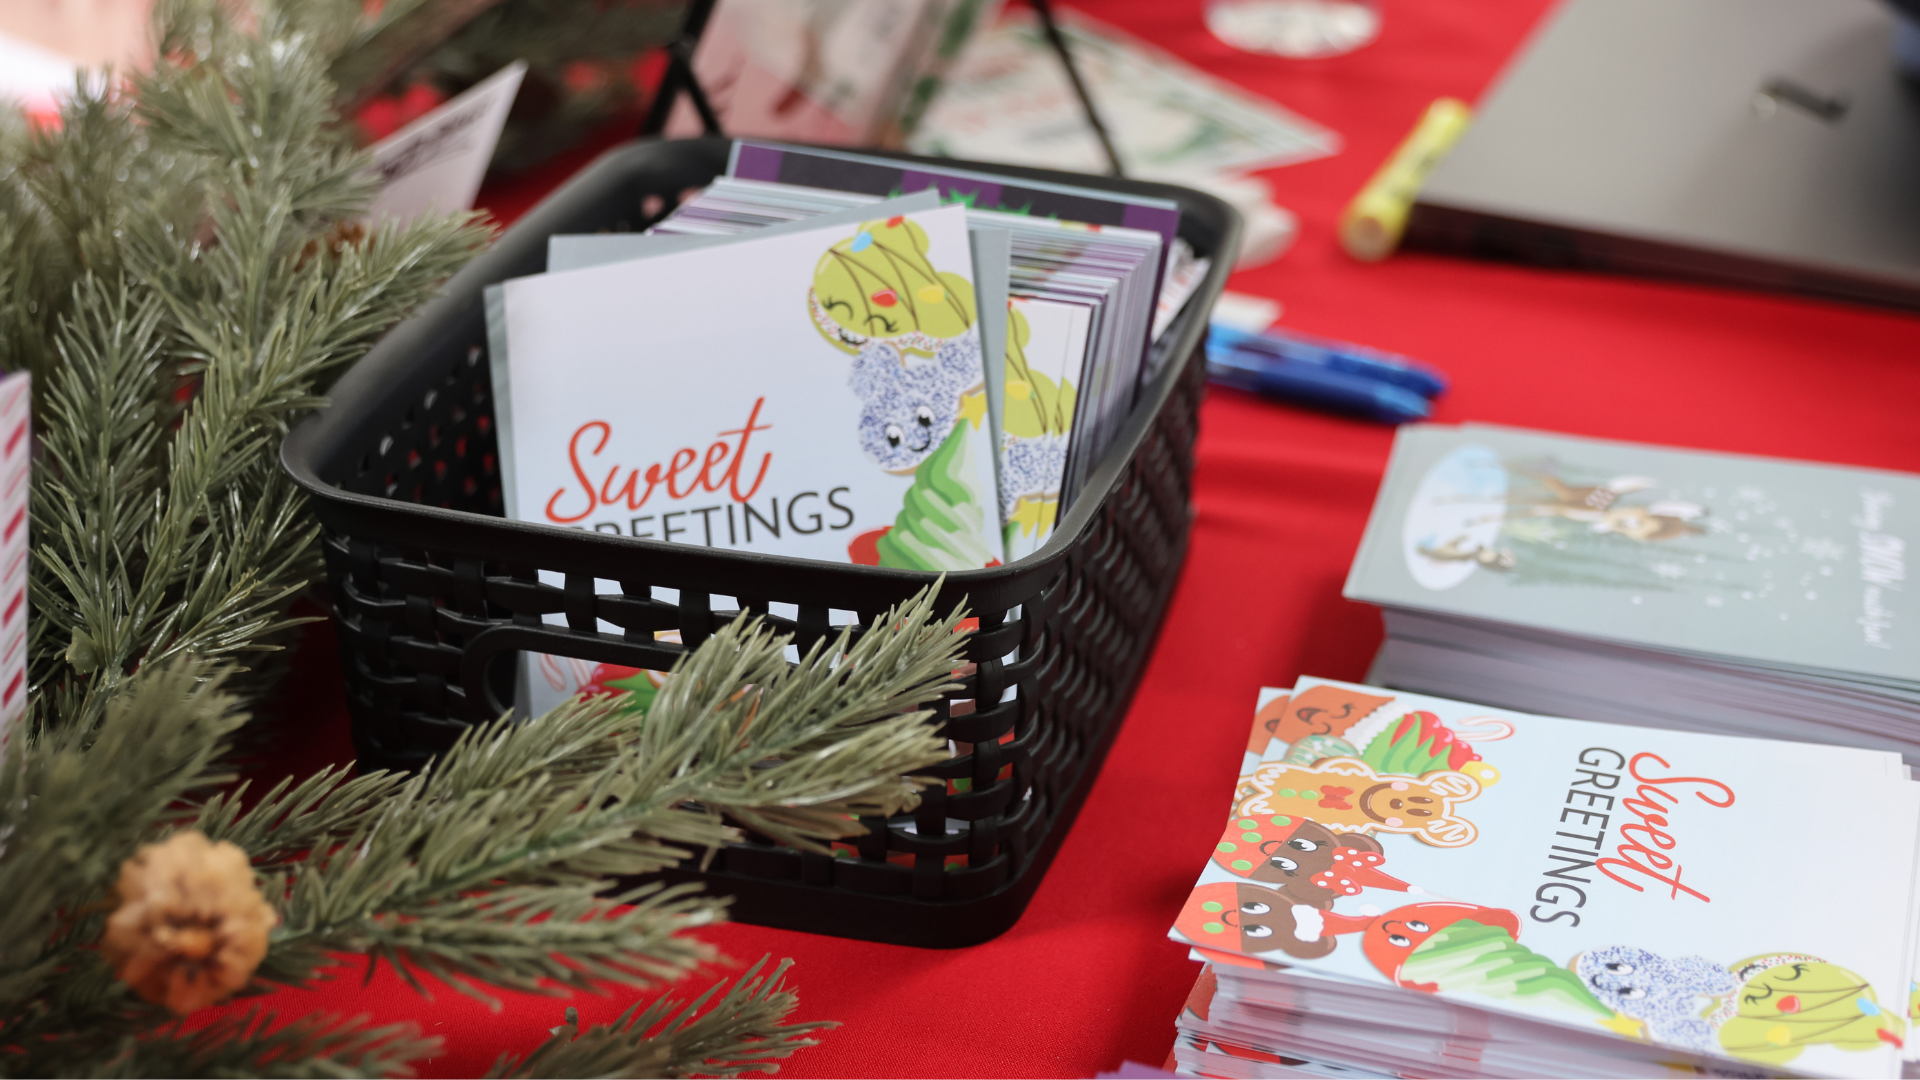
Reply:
x=1669, y=888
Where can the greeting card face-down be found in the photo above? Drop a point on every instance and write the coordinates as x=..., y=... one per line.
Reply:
x=1733, y=897
x=817, y=394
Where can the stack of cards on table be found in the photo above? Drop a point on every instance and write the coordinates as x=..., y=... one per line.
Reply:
x=1412, y=886
x=1648, y=585
x=802, y=360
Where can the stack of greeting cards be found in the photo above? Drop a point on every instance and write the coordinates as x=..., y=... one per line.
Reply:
x=1648, y=585
x=836, y=357
x=1412, y=886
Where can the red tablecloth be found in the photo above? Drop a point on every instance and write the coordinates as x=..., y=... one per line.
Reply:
x=1088, y=978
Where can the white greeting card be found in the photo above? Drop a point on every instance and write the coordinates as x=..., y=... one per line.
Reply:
x=1674, y=889
x=816, y=394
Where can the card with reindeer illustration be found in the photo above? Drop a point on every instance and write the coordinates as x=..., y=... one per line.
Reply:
x=1712, y=896
x=817, y=393
x=1786, y=564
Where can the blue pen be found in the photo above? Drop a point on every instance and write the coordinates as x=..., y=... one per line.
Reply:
x=1314, y=385
x=1343, y=356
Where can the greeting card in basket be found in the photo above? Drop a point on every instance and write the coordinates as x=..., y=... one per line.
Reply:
x=817, y=394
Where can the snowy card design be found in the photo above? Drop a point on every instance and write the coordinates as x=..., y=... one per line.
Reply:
x=1670, y=888
x=1778, y=562
x=817, y=394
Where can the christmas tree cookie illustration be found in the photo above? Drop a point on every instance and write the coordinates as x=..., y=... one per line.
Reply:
x=909, y=327
x=1465, y=948
x=944, y=518
x=1038, y=421
x=1787, y=1002
x=633, y=687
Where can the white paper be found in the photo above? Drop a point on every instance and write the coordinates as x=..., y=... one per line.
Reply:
x=1008, y=99
x=436, y=163
x=1248, y=314
x=33, y=76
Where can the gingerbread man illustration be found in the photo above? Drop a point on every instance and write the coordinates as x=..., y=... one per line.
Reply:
x=1239, y=917
x=1303, y=860
x=1347, y=796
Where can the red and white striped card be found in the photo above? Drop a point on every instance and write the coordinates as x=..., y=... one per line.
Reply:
x=16, y=463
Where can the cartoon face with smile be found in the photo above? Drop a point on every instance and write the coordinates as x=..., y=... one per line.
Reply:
x=1395, y=803
x=1318, y=710
x=1303, y=860
x=1251, y=919
x=1394, y=936
x=1347, y=796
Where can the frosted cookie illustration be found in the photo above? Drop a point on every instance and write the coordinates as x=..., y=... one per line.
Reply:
x=1038, y=418
x=1787, y=1002
x=1237, y=917
x=916, y=369
x=1303, y=860
x=1349, y=796
x=877, y=296
x=1451, y=947
x=1664, y=994
x=1318, y=716
x=1410, y=744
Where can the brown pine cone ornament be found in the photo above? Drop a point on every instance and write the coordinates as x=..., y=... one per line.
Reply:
x=191, y=926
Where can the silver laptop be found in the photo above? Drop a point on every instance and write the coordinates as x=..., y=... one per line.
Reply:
x=1763, y=143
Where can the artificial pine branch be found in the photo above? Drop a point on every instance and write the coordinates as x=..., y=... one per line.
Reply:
x=75, y=799
x=255, y=1044
x=481, y=870
x=227, y=265
x=182, y=268
x=667, y=1038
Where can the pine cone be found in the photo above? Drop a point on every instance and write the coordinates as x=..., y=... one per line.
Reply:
x=340, y=236
x=191, y=926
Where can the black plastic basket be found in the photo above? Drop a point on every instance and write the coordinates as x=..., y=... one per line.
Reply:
x=435, y=594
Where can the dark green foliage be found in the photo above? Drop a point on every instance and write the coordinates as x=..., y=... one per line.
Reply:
x=183, y=271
